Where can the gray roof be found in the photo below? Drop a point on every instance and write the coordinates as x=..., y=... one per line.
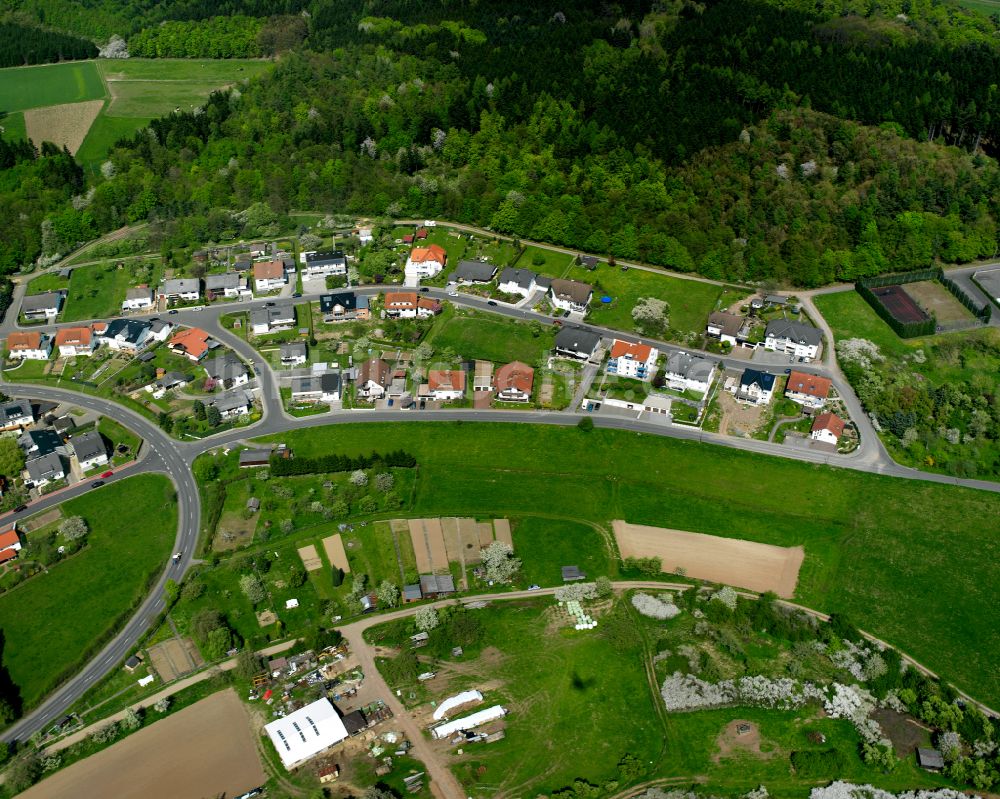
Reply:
x=412, y=592
x=15, y=410
x=227, y=280
x=42, y=302
x=139, y=293
x=437, y=584
x=728, y=324
x=326, y=258
x=690, y=366
x=181, y=285
x=171, y=379
x=328, y=383
x=796, y=331
x=281, y=314
x=44, y=468
x=474, y=270
x=523, y=277
x=225, y=367
x=575, y=339
x=295, y=349
x=255, y=456
x=88, y=445
x=39, y=442
x=156, y=325
x=572, y=573
x=232, y=401
x=63, y=424
x=930, y=758
x=572, y=290
x=543, y=282
x=128, y=330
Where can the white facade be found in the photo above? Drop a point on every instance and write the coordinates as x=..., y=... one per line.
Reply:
x=825, y=435
x=477, y=719
x=306, y=732
x=365, y=236
x=633, y=360
x=790, y=347
x=183, y=289
x=421, y=270
x=138, y=300
x=39, y=353
x=270, y=283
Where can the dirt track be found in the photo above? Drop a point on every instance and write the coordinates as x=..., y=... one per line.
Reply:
x=64, y=125
x=733, y=561
x=212, y=751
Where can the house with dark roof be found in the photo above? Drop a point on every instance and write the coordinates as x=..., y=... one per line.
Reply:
x=577, y=343
x=126, y=335
x=268, y=320
x=572, y=573
x=36, y=443
x=344, y=306
x=793, y=338
x=234, y=403
x=39, y=472
x=169, y=381
x=754, y=387
x=517, y=281
x=468, y=272
x=728, y=328
x=324, y=387
x=250, y=458
x=293, y=353
x=185, y=289
x=411, y=593
x=930, y=759
x=44, y=306
x=16, y=414
x=227, y=370
x=570, y=295
x=321, y=264
x=227, y=284
x=90, y=449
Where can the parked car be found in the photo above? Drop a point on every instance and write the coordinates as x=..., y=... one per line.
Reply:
x=172, y=311
x=565, y=314
x=268, y=304
x=424, y=289
x=97, y=484
x=492, y=302
x=20, y=508
x=107, y=473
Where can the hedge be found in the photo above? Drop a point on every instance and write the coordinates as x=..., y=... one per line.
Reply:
x=283, y=467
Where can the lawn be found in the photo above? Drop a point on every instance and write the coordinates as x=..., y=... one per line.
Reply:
x=885, y=551
x=849, y=316
x=55, y=620
x=50, y=84
x=545, y=262
x=545, y=545
x=97, y=292
x=103, y=135
x=491, y=338
x=118, y=434
x=13, y=126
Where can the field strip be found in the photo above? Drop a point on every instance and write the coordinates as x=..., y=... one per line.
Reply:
x=420, y=545
x=470, y=539
x=732, y=561
x=334, y=547
x=452, y=537
x=435, y=542
x=501, y=528
x=485, y=534
x=310, y=558
x=64, y=125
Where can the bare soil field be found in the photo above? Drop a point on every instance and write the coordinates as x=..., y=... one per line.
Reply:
x=485, y=534
x=234, y=531
x=435, y=542
x=41, y=520
x=937, y=300
x=310, y=558
x=63, y=125
x=501, y=527
x=739, y=419
x=732, y=561
x=420, y=550
x=739, y=736
x=208, y=749
x=335, y=553
x=174, y=658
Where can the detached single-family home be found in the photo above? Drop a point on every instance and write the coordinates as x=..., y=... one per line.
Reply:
x=685, y=371
x=517, y=281
x=193, y=343
x=727, y=327
x=269, y=320
x=73, y=341
x=10, y=544
x=42, y=306
x=632, y=360
x=473, y=272
x=233, y=404
x=570, y=295
x=90, y=449
x=425, y=262
x=807, y=390
x=16, y=415
x=126, y=335
x=514, y=382
x=364, y=235
x=139, y=298
x=409, y=305
x=159, y=330
x=182, y=289
x=755, y=387
x=29, y=346
x=258, y=249
x=39, y=472
x=828, y=428
x=574, y=342
x=35, y=443
x=794, y=338
x=227, y=371
x=269, y=275
x=373, y=380
x=343, y=306
x=169, y=381
x=293, y=354
x=321, y=264
x=323, y=387
x=445, y=384
x=228, y=284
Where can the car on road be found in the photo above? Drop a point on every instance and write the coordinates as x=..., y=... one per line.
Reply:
x=565, y=314
x=492, y=302
x=788, y=371
x=256, y=370
x=424, y=289
x=177, y=556
x=557, y=322
x=107, y=473
x=268, y=304
x=20, y=508
x=297, y=294
x=97, y=484
x=172, y=311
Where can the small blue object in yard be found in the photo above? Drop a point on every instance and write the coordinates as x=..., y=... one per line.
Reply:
x=605, y=300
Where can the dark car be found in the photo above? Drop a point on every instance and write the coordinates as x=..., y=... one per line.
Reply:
x=256, y=370
x=565, y=314
x=97, y=484
x=20, y=508
x=424, y=289
x=492, y=302
x=172, y=312
x=297, y=294
x=268, y=304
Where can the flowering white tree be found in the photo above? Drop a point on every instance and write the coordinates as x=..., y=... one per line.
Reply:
x=727, y=596
x=499, y=561
x=359, y=478
x=576, y=591
x=847, y=790
x=388, y=594
x=384, y=482
x=656, y=607
x=73, y=528
x=426, y=619
x=651, y=314
x=859, y=351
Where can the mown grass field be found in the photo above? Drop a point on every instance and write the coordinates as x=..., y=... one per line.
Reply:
x=490, y=338
x=96, y=292
x=13, y=125
x=51, y=621
x=886, y=551
x=49, y=84
x=544, y=262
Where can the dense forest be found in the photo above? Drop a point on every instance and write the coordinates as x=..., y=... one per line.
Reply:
x=743, y=139
x=21, y=45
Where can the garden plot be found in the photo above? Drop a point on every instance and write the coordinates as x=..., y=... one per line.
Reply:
x=335, y=553
x=63, y=125
x=174, y=658
x=501, y=527
x=732, y=561
x=937, y=300
x=310, y=558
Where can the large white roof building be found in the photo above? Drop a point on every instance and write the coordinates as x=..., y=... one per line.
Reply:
x=306, y=732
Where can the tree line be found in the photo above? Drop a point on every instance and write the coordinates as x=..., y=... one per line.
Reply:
x=329, y=464
x=21, y=45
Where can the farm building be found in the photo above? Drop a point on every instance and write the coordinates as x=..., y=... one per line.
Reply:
x=306, y=732
x=930, y=759
x=477, y=719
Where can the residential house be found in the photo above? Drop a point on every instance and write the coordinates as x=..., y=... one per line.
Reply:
x=570, y=295
x=343, y=306
x=373, y=378
x=445, y=384
x=322, y=387
x=16, y=414
x=90, y=449
x=828, y=428
x=169, y=381
x=794, y=338
x=64, y=425
x=482, y=376
x=40, y=472
x=139, y=298
x=126, y=335
x=159, y=330
x=409, y=305
x=180, y=289
x=517, y=281
x=433, y=586
x=234, y=403
x=269, y=275
x=45, y=306
x=425, y=262
x=473, y=272
x=242, y=265
x=727, y=327
x=809, y=391
x=258, y=249
x=588, y=261
x=73, y=341
x=228, y=284
x=36, y=443
x=574, y=342
x=514, y=382
x=657, y=405
x=193, y=343
x=29, y=346
x=754, y=387
x=365, y=236
x=270, y=320
x=421, y=233
x=321, y=264
x=10, y=544
x=633, y=360
x=227, y=370
x=293, y=354
x=685, y=372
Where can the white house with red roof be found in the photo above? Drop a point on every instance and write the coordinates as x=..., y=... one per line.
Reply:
x=828, y=428
x=632, y=360
x=424, y=262
x=809, y=391
x=444, y=384
x=10, y=544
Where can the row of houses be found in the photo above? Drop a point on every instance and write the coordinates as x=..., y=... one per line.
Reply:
x=511, y=382
x=47, y=454
x=123, y=335
x=756, y=387
x=796, y=339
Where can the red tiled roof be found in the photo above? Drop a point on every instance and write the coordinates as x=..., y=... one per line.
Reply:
x=408, y=238
x=829, y=421
x=422, y=233
x=446, y=379
x=9, y=538
x=8, y=554
x=193, y=341
x=813, y=385
x=24, y=341
x=400, y=299
x=73, y=336
x=638, y=352
x=515, y=375
x=268, y=270
x=432, y=252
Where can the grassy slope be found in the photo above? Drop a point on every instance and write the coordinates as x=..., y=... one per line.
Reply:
x=491, y=339
x=13, y=126
x=52, y=619
x=49, y=84
x=899, y=556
